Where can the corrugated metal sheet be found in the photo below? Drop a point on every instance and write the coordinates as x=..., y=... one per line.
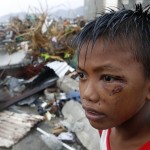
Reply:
x=14, y=126
x=60, y=68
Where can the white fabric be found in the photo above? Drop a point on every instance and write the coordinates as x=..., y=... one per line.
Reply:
x=103, y=143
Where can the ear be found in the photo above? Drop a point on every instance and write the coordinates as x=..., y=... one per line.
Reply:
x=148, y=90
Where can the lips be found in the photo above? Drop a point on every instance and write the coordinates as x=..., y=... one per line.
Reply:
x=93, y=115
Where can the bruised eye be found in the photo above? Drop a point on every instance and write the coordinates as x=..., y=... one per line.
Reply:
x=108, y=78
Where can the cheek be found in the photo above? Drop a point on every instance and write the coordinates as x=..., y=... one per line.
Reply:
x=119, y=99
x=81, y=88
x=114, y=98
x=113, y=90
x=116, y=89
x=124, y=103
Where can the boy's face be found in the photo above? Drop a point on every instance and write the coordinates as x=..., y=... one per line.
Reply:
x=112, y=84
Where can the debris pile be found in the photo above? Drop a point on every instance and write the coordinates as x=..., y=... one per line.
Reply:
x=37, y=72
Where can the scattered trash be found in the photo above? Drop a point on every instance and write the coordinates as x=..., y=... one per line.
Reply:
x=48, y=115
x=28, y=101
x=49, y=95
x=59, y=129
x=14, y=85
x=27, y=93
x=71, y=126
x=73, y=95
x=66, y=137
x=52, y=141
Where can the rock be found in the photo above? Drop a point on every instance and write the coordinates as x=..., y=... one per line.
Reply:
x=77, y=121
x=67, y=84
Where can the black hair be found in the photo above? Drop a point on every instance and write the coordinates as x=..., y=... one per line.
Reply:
x=124, y=24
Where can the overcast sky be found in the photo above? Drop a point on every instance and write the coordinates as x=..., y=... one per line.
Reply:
x=12, y=6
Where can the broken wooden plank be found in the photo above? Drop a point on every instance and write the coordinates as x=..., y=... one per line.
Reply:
x=27, y=93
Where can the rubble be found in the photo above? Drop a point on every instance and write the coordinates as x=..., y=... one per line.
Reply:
x=15, y=126
x=27, y=93
x=67, y=84
x=37, y=73
x=76, y=121
x=53, y=142
x=11, y=60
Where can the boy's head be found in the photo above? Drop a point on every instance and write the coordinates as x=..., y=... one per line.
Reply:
x=113, y=67
x=124, y=27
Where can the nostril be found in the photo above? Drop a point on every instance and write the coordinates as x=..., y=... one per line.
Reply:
x=93, y=97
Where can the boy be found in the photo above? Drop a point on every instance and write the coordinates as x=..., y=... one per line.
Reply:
x=114, y=72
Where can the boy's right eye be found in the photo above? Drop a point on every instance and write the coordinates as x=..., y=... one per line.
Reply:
x=82, y=76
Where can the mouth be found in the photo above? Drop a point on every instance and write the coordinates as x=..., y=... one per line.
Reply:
x=93, y=115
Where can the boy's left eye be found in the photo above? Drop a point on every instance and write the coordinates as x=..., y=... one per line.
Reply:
x=108, y=78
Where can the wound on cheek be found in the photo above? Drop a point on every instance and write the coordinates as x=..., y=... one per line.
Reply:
x=117, y=89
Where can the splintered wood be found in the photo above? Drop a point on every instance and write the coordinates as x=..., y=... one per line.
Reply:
x=14, y=126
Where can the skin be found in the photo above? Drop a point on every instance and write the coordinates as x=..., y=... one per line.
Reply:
x=115, y=93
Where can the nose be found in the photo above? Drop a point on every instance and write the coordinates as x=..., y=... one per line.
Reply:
x=89, y=92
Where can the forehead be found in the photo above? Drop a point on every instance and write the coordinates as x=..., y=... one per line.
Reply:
x=107, y=50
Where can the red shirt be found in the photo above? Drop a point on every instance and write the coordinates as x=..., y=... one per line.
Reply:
x=145, y=146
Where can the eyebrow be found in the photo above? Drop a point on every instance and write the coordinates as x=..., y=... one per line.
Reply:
x=107, y=67
x=102, y=68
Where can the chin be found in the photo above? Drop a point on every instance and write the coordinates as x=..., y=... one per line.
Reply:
x=99, y=126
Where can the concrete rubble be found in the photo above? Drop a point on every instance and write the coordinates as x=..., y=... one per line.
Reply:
x=67, y=84
x=78, y=123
